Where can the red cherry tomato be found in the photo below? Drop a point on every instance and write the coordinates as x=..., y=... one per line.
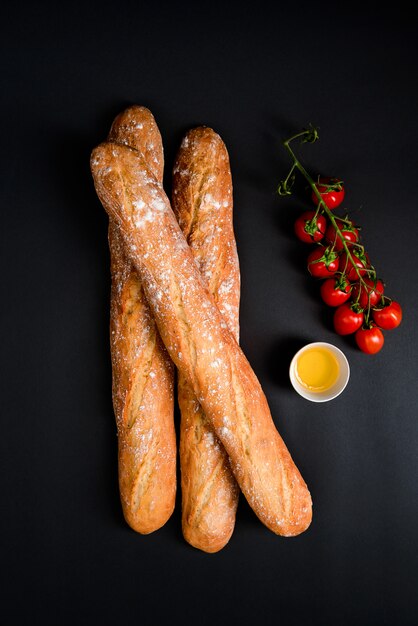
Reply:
x=331, y=191
x=334, y=292
x=370, y=294
x=322, y=262
x=389, y=317
x=361, y=261
x=310, y=229
x=369, y=340
x=347, y=321
x=348, y=231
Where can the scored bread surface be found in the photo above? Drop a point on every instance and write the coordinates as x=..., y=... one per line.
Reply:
x=198, y=340
x=202, y=203
x=142, y=372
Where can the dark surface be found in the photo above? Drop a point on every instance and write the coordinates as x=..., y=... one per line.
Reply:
x=255, y=76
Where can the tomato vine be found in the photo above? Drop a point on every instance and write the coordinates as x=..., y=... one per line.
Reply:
x=353, y=271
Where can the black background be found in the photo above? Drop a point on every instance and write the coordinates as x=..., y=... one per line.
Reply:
x=256, y=74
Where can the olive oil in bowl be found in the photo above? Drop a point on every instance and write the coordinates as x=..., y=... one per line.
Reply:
x=319, y=371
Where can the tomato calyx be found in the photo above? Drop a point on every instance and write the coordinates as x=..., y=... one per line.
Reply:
x=323, y=262
x=342, y=283
x=311, y=226
x=335, y=291
x=348, y=224
x=356, y=307
x=326, y=185
x=328, y=257
x=329, y=191
x=347, y=319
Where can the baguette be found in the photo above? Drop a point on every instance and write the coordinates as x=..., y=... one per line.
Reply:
x=202, y=203
x=142, y=372
x=198, y=341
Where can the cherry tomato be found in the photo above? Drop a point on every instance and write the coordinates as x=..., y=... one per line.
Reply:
x=389, y=317
x=348, y=231
x=369, y=340
x=361, y=261
x=346, y=320
x=331, y=191
x=334, y=291
x=322, y=262
x=370, y=294
x=310, y=229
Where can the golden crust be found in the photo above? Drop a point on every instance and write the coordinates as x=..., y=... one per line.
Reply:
x=198, y=341
x=202, y=203
x=142, y=372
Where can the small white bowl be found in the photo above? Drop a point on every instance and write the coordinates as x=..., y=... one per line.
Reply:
x=339, y=385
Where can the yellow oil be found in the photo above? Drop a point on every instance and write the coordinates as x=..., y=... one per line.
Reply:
x=317, y=369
